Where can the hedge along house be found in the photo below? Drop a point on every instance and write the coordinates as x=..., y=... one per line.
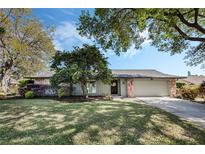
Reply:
x=126, y=83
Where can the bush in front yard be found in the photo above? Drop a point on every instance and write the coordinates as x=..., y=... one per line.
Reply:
x=189, y=93
x=108, y=97
x=61, y=92
x=29, y=94
x=23, y=83
x=202, y=89
x=180, y=85
x=2, y=95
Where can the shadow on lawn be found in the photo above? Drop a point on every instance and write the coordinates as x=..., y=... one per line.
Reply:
x=101, y=122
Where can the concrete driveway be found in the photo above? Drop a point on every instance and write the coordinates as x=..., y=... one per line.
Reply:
x=188, y=110
x=185, y=109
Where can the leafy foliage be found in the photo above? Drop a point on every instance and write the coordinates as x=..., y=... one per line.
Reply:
x=202, y=89
x=196, y=55
x=180, y=84
x=25, y=45
x=29, y=94
x=173, y=30
x=189, y=93
x=80, y=66
x=2, y=95
x=2, y=31
x=61, y=92
x=23, y=83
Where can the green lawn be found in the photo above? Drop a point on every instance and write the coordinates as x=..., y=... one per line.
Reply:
x=44, y=121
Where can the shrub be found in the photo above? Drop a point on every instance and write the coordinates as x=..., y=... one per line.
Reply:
x=23, y=86
x=178, y=93
x=108, y=97
x=29, y=94
x=61, y=92
x=202, y=89
x=11, y=94
x=23, y=83
x=2, y=95
x=189, y=93
x=180, y=85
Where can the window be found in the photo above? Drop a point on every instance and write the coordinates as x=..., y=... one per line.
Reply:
x=92, y=87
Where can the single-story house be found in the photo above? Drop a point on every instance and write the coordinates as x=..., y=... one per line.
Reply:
x=127, y=83
x=193, y=79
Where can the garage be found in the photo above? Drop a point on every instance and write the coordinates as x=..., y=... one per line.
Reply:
x=147, y=87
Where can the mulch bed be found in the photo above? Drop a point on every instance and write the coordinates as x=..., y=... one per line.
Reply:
x=75, y=99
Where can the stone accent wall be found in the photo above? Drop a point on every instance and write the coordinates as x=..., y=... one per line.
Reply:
x=130, y=88
x=172, y=87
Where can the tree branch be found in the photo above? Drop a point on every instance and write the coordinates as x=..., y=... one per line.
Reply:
x=202, y=16
x=194, y=25
x=185, y=36
x=4, y=18
x=196, y=15
x=187, y=12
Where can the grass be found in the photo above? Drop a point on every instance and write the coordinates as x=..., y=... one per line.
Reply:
x=44, y=121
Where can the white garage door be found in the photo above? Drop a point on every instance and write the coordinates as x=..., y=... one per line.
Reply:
x=151, y=88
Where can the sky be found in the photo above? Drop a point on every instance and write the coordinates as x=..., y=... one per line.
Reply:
x=66, y=36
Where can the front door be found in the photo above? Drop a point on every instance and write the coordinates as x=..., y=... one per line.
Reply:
x=114, y=87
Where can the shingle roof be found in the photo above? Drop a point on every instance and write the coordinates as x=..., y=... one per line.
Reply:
x=42, y=74
x=148, y=73
x=126, y=73
x=194, y=79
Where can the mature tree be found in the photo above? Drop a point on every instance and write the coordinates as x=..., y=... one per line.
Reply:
x=63, y=74
x=81, y=65
x=188, y=73
x=25, y=44
x=173, y=30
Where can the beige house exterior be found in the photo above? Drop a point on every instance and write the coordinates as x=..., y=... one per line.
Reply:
x=127, y=83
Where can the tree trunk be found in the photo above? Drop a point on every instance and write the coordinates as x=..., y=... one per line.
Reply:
x=5, y=83
x=5, y=74
x=85, y=90
x=71, y=89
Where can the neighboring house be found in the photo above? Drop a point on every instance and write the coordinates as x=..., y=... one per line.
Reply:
x=127, y=83
x=193, y=79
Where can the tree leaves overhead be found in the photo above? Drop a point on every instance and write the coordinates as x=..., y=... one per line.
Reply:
x=170, y=30
x=196, y=55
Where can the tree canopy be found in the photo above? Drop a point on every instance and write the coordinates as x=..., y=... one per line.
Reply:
x=25, y=45
x=170, y=30
x=81, y=65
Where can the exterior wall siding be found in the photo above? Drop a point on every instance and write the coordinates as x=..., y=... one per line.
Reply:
x=101, y=89
x=77, y=90
x=126, y=88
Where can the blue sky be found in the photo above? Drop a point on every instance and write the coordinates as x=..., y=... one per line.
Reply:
x=66, y=36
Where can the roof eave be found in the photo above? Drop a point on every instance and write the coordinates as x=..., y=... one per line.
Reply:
x=37, y=77
x=177, y=77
